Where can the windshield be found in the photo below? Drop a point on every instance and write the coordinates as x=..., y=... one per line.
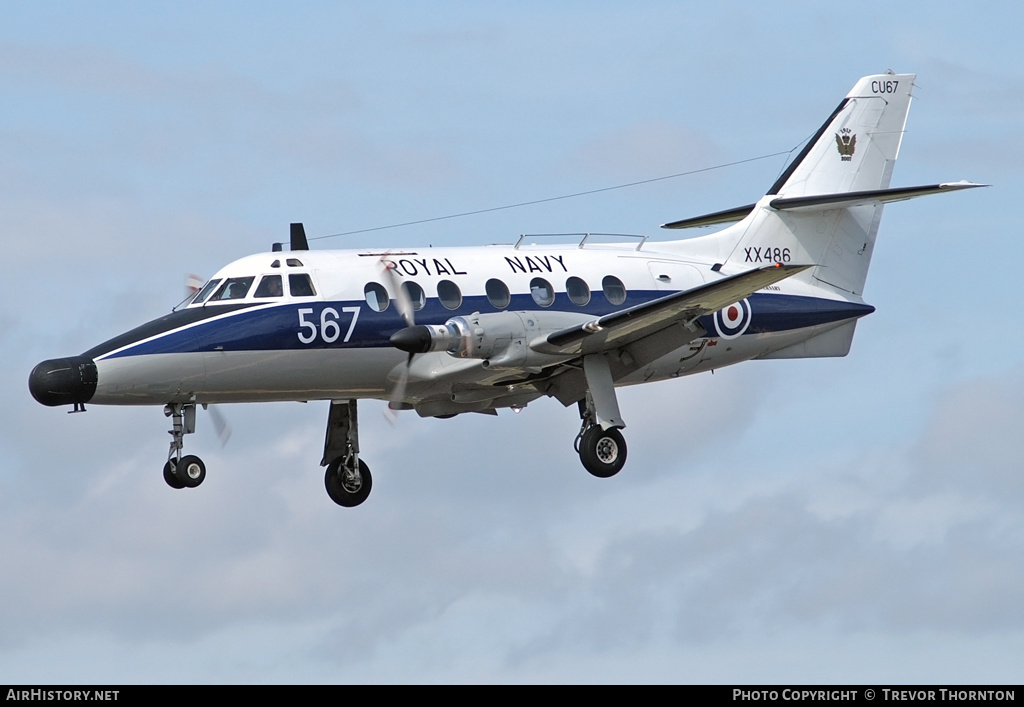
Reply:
x=205, y=292
x=233, y=288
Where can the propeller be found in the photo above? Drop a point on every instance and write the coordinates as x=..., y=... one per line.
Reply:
x=403, y=303
x=220, y=424
x=193, y=283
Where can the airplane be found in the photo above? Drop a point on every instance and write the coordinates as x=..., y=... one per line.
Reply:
x=447, y=331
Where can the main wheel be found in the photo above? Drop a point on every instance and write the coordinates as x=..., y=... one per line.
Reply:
x=348, y=487
x=603, y=452
x=190, y=471
x=170, y=477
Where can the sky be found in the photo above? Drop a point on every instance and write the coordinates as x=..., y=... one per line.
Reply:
x=838, y=520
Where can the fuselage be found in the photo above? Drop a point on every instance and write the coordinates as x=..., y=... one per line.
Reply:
x=309, y=325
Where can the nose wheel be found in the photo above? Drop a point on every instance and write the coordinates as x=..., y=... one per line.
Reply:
x=185, y=473
x=170, y=477
x=188, y=471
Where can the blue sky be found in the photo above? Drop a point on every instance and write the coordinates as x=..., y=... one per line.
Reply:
x=851, y=520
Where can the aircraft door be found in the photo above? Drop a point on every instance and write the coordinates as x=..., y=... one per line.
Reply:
x=671, y=276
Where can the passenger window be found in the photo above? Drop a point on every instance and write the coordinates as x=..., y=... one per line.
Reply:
x=233, y=288
x=578, y=291
x=542, y=291
x=449, y=294
x=376, y=296
x=270, y=286
x=614, y=290
x=497, y=294
x=205, y=292
x=415, y=294
x=300, y=285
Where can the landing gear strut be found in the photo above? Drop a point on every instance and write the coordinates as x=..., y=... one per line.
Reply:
x=182, y=471
x=599, y=443
x=347, y=478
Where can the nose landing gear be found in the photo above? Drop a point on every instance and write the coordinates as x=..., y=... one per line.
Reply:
x=182, y=471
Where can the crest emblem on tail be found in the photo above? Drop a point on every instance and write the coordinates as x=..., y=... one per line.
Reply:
x=846, y=141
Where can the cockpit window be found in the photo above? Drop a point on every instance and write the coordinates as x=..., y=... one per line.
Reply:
x=233, y=288
x=270, y=286
x=300, y=285
x=205, y=292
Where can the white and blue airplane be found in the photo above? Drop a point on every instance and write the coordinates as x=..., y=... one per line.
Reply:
x=445, y=331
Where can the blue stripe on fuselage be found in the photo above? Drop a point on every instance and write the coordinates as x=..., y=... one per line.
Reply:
x=277, y=328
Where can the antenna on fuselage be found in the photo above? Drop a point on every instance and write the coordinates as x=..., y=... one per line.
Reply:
x=298, y=239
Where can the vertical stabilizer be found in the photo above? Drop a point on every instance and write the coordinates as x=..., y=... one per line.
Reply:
x=853, y=151
x=856, y=148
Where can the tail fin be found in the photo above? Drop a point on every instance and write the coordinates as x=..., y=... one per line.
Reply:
x=856, y=148
x=804, y=215
x=826, y=206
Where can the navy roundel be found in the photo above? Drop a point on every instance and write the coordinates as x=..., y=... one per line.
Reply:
x=733, y=320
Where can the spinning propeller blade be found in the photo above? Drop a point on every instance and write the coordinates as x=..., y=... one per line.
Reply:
x=220, y=424
x=402, y=301
x=192, y=284
x=404, y=306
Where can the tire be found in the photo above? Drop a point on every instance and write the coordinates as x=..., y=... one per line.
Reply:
x=190, y=471
x=170, y=477
x=345, y=488
x=603, y=452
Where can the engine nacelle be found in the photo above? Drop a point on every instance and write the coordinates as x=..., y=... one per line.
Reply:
x=500, y=339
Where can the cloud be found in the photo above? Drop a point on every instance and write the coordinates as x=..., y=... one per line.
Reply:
x=934, y=552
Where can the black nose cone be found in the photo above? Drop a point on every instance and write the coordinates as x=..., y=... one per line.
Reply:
x=412, y=339
x=63, y=381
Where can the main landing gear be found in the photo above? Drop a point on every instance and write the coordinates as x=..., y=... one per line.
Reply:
x=603, y=452
x=599, y=443
x=347, y=478
x=186, y=471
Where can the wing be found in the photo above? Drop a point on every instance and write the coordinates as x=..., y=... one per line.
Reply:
x=439, y=384
x=628, y=325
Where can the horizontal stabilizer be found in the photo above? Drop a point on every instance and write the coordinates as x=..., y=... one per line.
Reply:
x=824, y=201
x=872, y=196
x=719, y=217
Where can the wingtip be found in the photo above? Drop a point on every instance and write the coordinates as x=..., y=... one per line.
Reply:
x=962, y=184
